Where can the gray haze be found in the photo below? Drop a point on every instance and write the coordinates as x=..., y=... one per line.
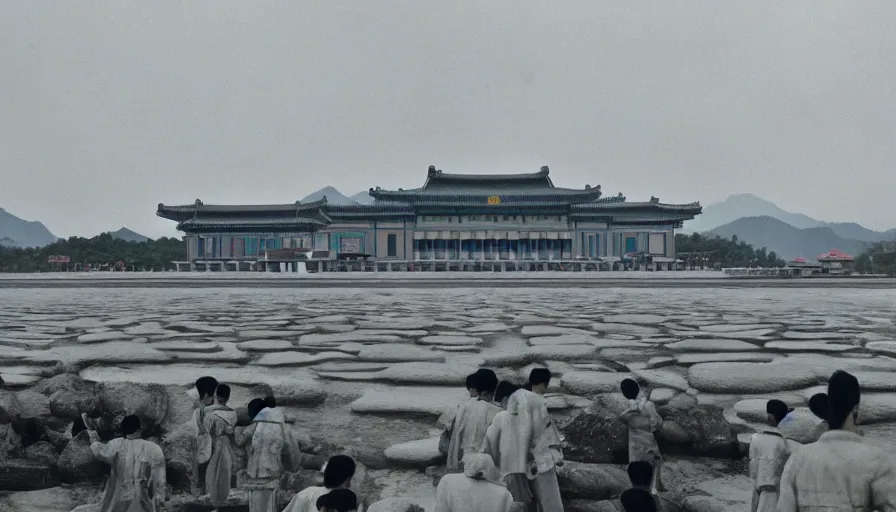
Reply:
x=108, y=108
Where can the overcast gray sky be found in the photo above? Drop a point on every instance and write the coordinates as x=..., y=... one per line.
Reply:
x=108, y=108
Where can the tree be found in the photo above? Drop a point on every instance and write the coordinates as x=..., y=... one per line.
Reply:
x=723, y=252
x=99, y=250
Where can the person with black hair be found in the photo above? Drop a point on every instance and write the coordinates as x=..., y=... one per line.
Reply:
x=338, y=473
x=202, y=449
x=840, y=471
x=769, y=452
x=503, y=392
x=137, y=482
x=638, y=500
x=640, y=474
x=643, y=421
x=539, y=379
x=220, y=422
x=473, y=420
x=470, y=384
x=338, y=500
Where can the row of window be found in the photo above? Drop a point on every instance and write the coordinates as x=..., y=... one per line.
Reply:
x=521, y=219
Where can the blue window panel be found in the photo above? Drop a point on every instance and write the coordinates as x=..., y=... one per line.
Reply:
x=631, y=244
x=201, y=248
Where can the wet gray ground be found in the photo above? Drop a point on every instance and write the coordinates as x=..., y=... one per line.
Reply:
x=372, y=368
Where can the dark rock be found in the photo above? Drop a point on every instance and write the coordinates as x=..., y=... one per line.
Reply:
x=70, y=404
x=592, y=481
x=9, y=406
x=26, y=475
x=679, y=402
x=592, y=506
x=177, y=446
x=597, y=435
x=149, y=401
x=77, y=464
x=32, y=404
x=701, y=431
x=42, y=452
x=63, y=382
x=302, y=479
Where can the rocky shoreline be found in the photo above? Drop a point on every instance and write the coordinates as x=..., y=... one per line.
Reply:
x=376, y=374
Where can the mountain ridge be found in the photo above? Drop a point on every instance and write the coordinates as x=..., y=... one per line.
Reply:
x=24, y=233
x=786, y=240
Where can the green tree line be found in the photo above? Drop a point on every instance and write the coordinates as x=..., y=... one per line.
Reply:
x=724, y=252
x=878, y=259
x=97, y=251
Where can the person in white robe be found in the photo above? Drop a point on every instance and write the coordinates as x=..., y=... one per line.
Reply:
x=508, y=441
x=476, y=490
x=264, y=440
x=220, y=422
x=445, y=439
x=473, y=420
x=338, y=473
x=547, y=454
x=202, y=447
x=137, y=481
x=840, y=472
x=643, y=421
x=769, y=452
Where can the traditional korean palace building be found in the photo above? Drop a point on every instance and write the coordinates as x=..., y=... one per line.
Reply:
x=452, y=217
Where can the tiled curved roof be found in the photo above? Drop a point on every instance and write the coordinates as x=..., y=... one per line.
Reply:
x=215, y=222
x=314, y=210
x=480, y=196
x=362, y=211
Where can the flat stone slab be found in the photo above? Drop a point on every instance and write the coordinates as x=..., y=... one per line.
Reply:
x=107, y=352
x=103, y=336
x=661, y=396
x=724, y=328
x=711, y=345
x=540, y=353
x=257, y=334
x=228, y=353
x=745, y=357
x=550, y=330
x=349, y=367
x=810, y=346
x=407, y=324
x=186, y=346
x=265, y=345
x=300, y=358
x=591, y=383
x=635, y=318
x=449, y=340
x=410, y=400
x=317, y=339
x=882, y=347
x=399, y=353
x=814, y=336
x=422, y=453
x=488, y=327
x=639, y=330
x=406, y=333
x=662, y=379
x=750, y=377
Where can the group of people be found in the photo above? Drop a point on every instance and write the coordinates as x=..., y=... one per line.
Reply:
x=138, y=478
x=503, y=449
x=840, y=472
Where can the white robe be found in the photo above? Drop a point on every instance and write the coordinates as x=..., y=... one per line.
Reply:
x=220, y=422
x=138, y=470
x=265, y=439
x=839, y=473
x=459, y=493
x=769, y=452
x=470, y=427
x=509, y=437
x=306, y=500
x=643, y=421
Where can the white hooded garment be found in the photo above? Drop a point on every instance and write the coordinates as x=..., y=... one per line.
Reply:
x=509, y=437
x=265, y=440
x=470, y=427
x=769, y=452
x=839, y=473
x=220, y=421
x=138, y=470
x=475, y=490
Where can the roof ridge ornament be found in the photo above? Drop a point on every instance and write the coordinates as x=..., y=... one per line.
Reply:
x=654, y=200
x=545, y=170
x=432, y=171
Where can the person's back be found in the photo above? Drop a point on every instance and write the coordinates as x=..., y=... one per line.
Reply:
x=338, y=473
x=839, y=472
x=266, y=446
x=638, y=500
x=458, y=493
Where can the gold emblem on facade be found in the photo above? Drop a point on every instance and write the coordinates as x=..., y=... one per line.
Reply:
x=494, y=200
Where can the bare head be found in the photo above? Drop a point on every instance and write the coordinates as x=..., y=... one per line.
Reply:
x=777, y=411
x=843, y=396
x=206, y=386
x=640, y=473
x=339, y=471
x=630, y=389
x=539, y=380
x=338, y=500
x=486, y=381
x=222, y=394
x=471, y=385
x=130, y=426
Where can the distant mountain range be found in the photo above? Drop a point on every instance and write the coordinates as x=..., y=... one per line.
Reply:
x=362, y=198
x=16, y=232
x=128, y=235
x=747, y=205
x=787, y=241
